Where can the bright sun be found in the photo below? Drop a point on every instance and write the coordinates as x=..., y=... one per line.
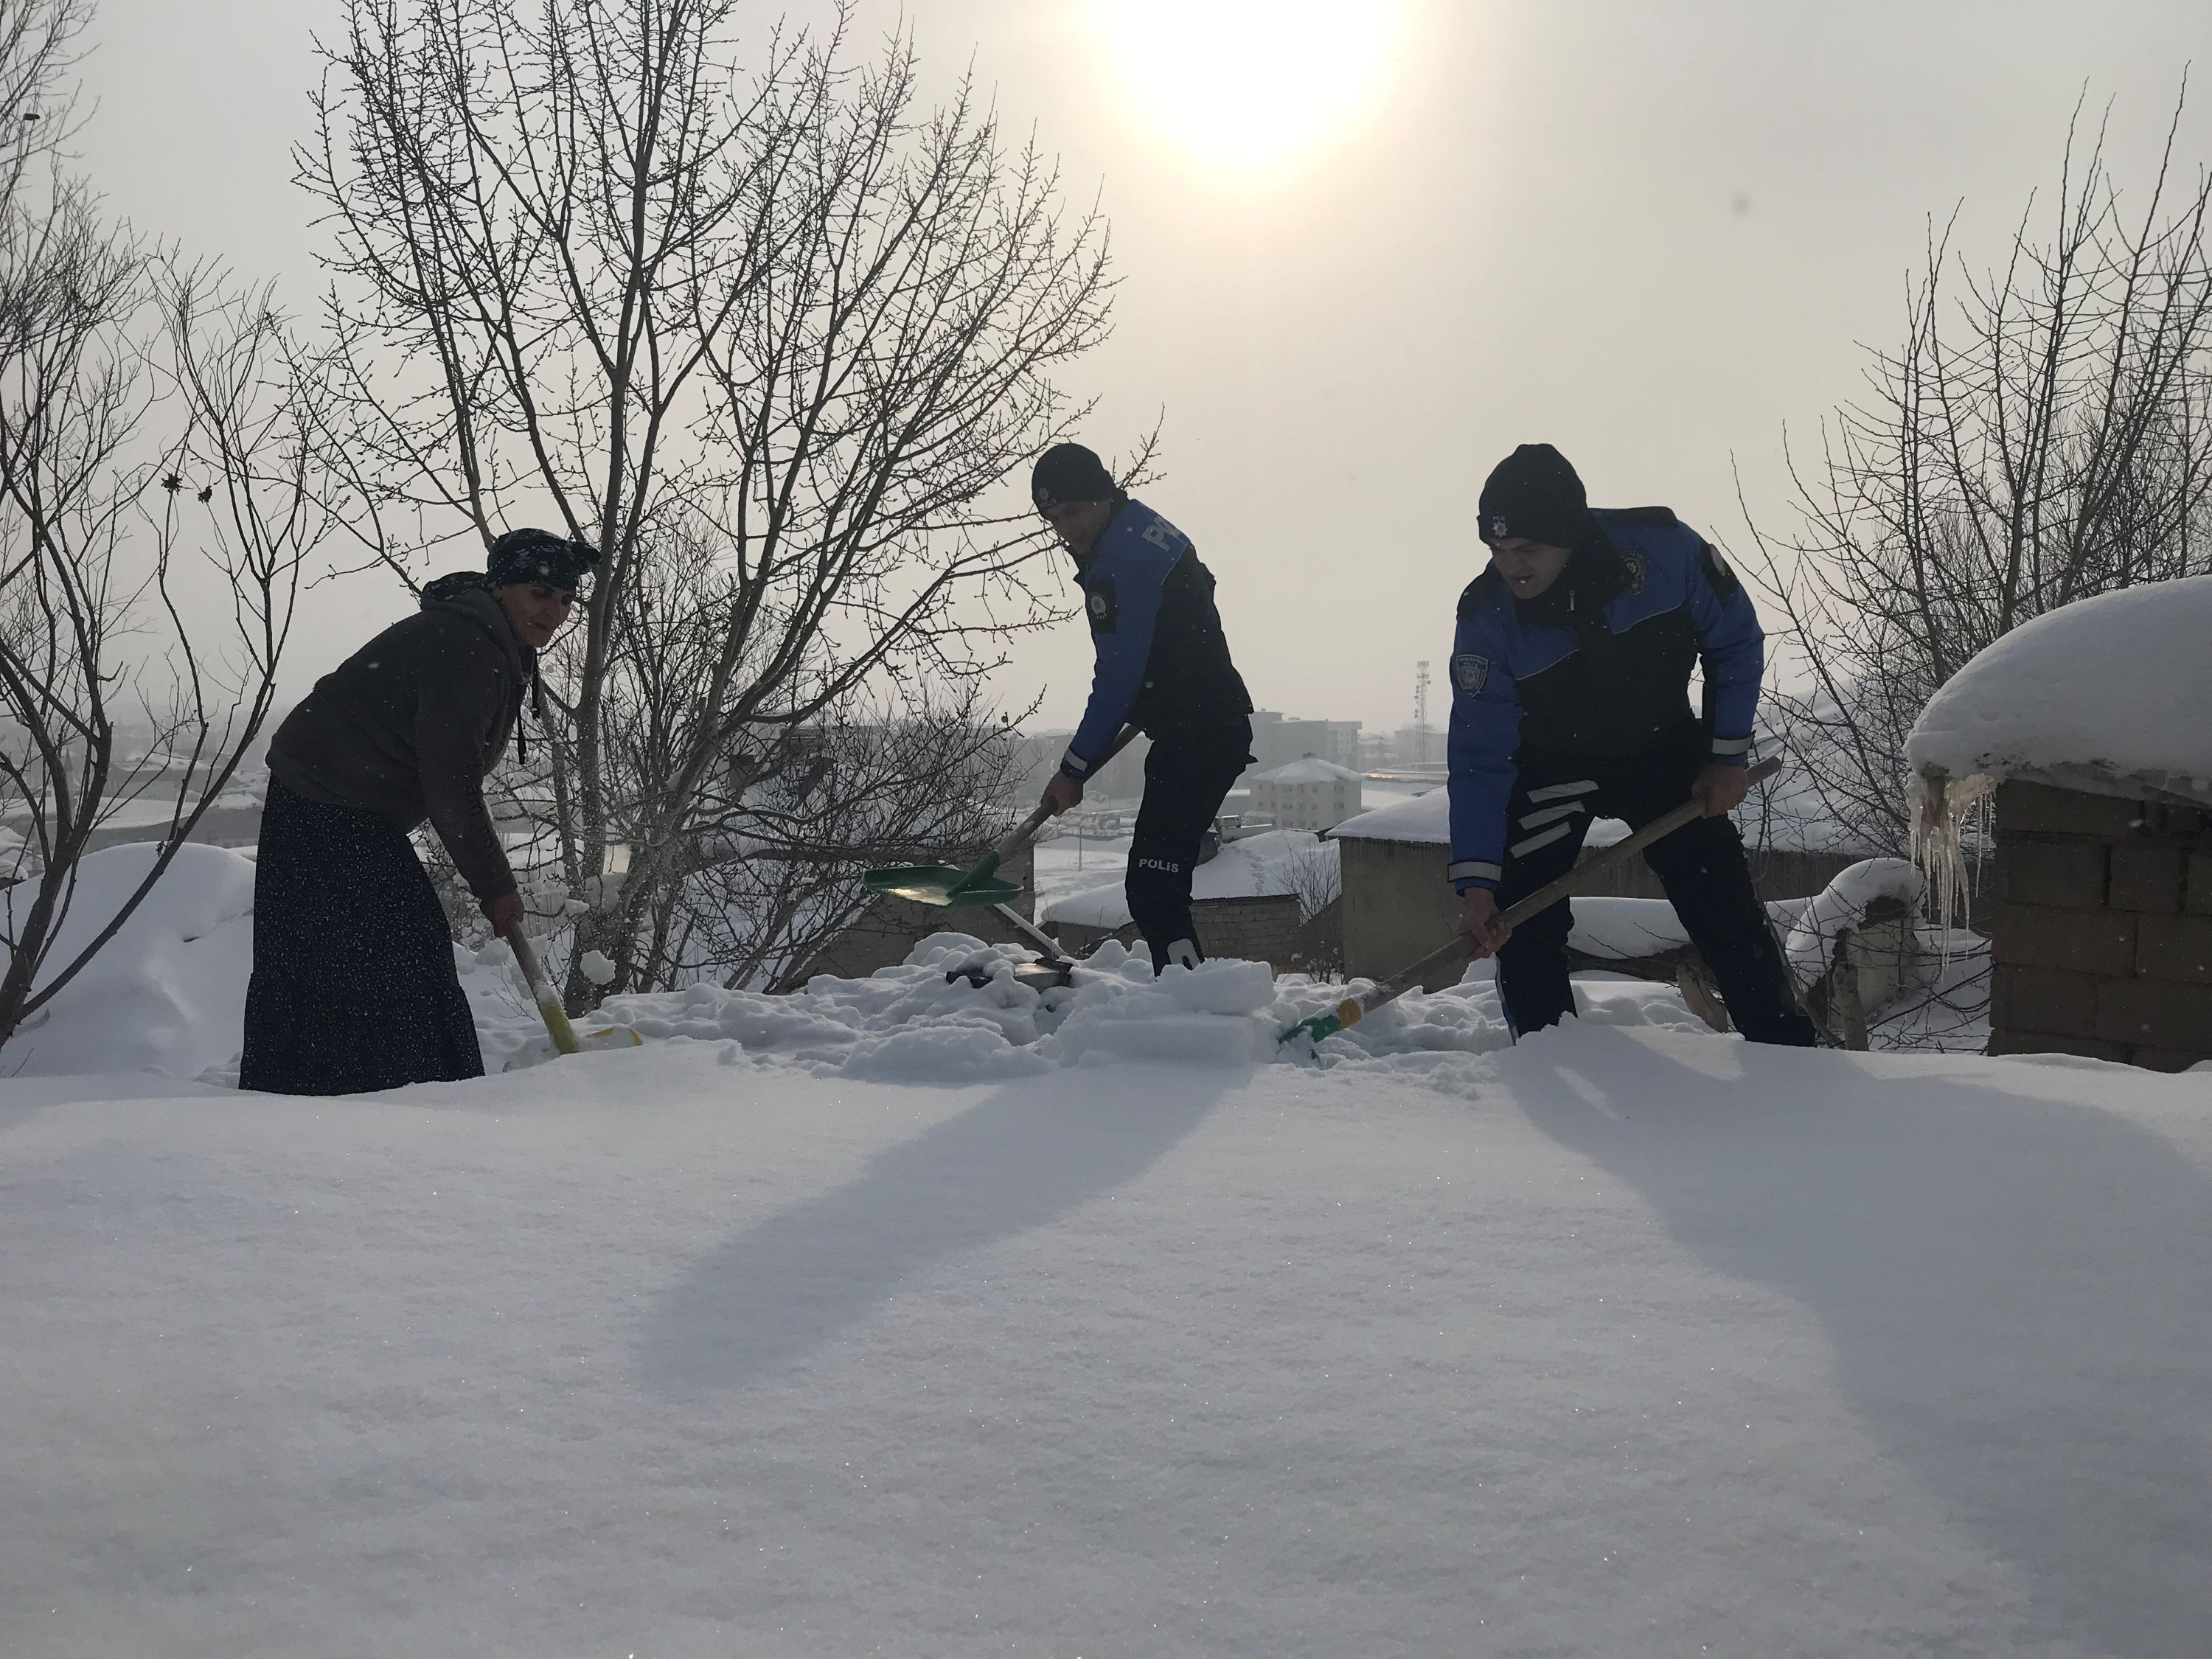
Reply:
x=1249, y=81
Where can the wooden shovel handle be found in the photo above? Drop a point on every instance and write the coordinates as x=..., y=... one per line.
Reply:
x=1577, y=880
x=1022, y=834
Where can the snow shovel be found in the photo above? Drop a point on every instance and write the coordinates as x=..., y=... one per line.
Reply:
x=1353, y=1009
x=1050, y=969
x=565, y=1040
x=950, y=888
x=542, y=991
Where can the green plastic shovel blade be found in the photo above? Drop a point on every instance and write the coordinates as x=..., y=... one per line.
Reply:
x=941, y=885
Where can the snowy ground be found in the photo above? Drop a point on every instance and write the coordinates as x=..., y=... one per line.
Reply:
x=916, y=1317
x=1630, y=1340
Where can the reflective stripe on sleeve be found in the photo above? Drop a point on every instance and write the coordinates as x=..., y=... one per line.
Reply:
x=1555, y=791
x=1521, y=849
x=1551, y=815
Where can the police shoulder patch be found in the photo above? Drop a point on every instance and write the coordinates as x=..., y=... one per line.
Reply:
x=1100, y=604
x=1469, y=672
x=1724, y=580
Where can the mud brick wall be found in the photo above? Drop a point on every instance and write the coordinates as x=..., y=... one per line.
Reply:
x=1249, y=929
x=2103, y=937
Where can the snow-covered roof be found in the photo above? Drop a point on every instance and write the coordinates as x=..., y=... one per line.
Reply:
x=2111, y=695
x=1425, y=818
x=1311, y=769
x=1257, y=866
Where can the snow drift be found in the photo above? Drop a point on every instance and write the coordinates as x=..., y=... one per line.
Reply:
x=168, y=993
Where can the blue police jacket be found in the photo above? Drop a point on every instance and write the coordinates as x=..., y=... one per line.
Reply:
x=1596, y=668
x=1163, y=661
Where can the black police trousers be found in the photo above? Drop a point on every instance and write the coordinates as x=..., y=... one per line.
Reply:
x=1701, y=866
x=1187, y=775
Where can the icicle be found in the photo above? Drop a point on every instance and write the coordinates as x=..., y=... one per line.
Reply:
x=1941, y=806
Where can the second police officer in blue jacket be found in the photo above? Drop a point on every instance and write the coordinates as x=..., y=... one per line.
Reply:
x=1164, y=666
x=1570, y=675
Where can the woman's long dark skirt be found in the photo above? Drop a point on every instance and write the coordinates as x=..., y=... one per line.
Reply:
x=353, y=984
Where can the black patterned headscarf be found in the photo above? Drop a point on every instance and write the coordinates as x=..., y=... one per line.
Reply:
x=539, y=556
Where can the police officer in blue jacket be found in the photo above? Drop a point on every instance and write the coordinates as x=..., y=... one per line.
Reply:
x=1164, y=667
x=1570, y=701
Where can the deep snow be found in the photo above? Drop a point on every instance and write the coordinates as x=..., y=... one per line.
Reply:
x=910, y=1316
x=168, y=992
x=1625, y=1341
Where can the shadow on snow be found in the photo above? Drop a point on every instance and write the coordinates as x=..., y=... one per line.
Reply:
x=1023, y=1158
x=2016, y=1292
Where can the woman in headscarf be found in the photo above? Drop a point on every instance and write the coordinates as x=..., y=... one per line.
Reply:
x=354, y=986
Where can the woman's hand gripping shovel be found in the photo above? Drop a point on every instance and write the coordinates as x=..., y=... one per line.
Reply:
x=1353, y=1009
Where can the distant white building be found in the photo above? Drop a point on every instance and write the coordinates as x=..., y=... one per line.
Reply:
x=1279, y=739
x=1307, y=794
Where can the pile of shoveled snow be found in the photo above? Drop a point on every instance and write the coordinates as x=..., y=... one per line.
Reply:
x=930, y=1020
x=167, y=995
x=927, y=1020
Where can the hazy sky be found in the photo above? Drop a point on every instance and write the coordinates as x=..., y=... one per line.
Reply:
x=1654, y=234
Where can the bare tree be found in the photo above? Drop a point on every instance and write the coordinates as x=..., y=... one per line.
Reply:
x=2044, y=433
x=152, y=453
x=783, y=873
x=1317, y=881
x=769, y=336
x=781, y=839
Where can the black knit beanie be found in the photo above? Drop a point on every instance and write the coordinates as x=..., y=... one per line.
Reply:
x=1534, y=494
x=1069, y=472
x=539, y=556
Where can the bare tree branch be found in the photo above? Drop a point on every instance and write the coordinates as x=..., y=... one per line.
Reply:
x=770, y=335
x=2042, y=433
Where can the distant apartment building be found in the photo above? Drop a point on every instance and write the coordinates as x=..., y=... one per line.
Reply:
x=1279, y=740
x=1410, y=749
x=1307, y=794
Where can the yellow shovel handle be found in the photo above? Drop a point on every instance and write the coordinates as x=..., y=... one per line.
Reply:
x=541, y=990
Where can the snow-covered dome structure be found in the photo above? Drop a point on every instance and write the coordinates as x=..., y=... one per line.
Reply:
x=2092, y=726
x=2110, y=695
